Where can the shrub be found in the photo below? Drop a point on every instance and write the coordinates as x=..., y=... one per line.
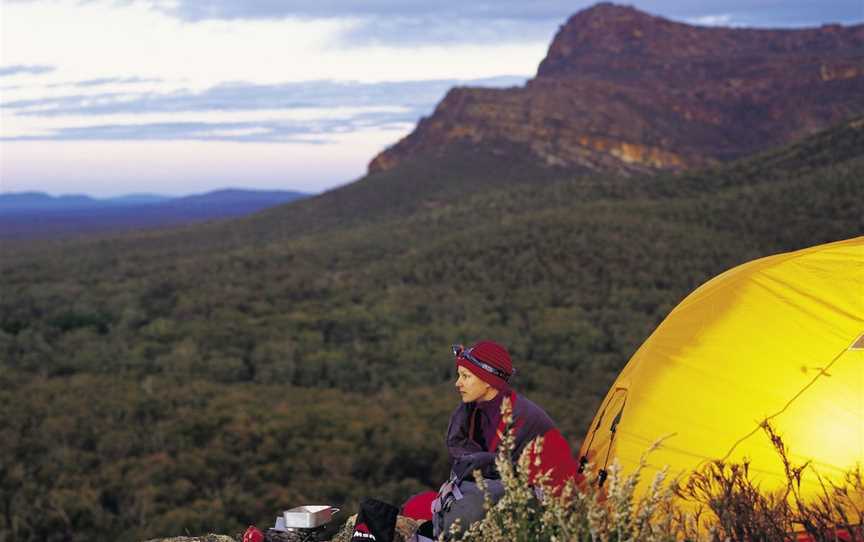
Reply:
x=718, y=502
x=584, y=513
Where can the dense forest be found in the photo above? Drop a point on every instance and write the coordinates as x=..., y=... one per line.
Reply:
x=204, y=378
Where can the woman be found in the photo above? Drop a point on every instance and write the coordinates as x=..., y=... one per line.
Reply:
x=476, y=428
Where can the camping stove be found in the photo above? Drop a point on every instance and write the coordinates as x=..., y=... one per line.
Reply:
x=301, y=524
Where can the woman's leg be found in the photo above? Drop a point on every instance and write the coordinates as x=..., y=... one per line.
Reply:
x=468, y=509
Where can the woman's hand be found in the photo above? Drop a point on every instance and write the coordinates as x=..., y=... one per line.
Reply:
x=464, y=467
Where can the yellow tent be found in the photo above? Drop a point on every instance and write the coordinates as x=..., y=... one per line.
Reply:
x=779, y=338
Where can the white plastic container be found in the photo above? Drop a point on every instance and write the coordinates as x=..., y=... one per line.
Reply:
x=308, y=517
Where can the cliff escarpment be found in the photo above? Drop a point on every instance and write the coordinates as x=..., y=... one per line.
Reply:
x=621, y=90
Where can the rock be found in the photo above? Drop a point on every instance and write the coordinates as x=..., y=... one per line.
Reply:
x=405, y=528
x=205, y=538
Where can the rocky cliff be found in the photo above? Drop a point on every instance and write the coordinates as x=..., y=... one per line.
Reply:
x=626, y=91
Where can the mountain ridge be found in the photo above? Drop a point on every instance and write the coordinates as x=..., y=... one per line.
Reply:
x=621, y=90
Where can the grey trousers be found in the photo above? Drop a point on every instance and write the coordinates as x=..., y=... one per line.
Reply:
x=468, y=509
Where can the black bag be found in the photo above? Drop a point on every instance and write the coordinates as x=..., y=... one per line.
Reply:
x=376, y=522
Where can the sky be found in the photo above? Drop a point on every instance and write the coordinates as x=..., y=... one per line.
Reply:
x=176, y=97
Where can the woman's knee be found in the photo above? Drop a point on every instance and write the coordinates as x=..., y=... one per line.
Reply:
x=469, y=509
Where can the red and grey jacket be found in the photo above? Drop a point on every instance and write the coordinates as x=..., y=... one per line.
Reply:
x=469, y=451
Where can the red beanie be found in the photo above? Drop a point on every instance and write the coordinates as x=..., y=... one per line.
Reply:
x=494, y=356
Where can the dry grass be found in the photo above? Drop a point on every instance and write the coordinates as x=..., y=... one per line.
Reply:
x=584, y=513
x=720, y=502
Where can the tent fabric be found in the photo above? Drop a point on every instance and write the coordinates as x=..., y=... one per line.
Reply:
x=779, y=339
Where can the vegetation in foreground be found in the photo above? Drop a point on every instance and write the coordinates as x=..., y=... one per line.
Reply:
x=719, y=502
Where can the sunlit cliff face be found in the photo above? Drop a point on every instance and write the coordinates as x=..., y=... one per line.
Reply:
x=472, y=388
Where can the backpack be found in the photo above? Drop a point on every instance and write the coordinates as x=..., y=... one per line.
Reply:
x=376, y=522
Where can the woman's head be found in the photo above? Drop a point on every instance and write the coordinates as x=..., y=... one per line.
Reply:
x=471, y=388
x=486, y=361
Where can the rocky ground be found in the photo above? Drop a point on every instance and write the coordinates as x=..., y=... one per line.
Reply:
x=405, y=527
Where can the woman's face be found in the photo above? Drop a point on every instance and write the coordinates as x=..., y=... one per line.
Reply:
x=472, y=388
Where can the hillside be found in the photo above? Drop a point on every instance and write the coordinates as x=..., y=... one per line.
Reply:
x=624, y=91
x=199, y=379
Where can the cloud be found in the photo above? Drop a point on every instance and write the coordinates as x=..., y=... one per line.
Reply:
x=102, y=81
x=399, y=17
x=757, y=13
x=410, y=13
x=197, y=10
x=713, y=20
x=416, y=95
x=304, y=111
x=171, y=131
x=418, y=31
x=399, y=22
x=78, y=103
x=403, y=23
x=20, y=69
x=314, y=132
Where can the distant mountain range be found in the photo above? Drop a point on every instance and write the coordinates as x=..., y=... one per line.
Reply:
x=624, y=91
x=35, y=214
x=19, y=202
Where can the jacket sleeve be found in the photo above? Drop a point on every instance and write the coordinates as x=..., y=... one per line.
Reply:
x=459, y=443
x=464, y=467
